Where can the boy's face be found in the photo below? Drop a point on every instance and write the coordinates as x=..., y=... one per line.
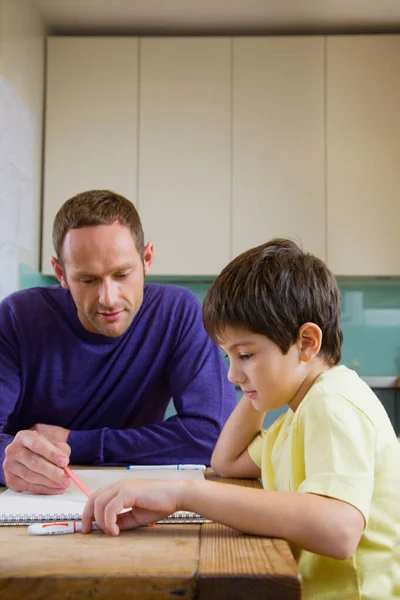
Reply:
x=269, y=378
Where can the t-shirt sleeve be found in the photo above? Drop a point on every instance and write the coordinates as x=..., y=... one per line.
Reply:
x=339, y=449
x=255, y=448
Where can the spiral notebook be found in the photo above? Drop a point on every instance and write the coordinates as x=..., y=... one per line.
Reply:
x=22, y=509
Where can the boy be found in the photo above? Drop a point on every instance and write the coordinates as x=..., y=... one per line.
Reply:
x=330, y=465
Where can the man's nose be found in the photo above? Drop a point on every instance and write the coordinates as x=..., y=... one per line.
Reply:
x=108, y=293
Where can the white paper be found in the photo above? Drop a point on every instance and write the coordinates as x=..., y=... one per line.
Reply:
x=72, y=502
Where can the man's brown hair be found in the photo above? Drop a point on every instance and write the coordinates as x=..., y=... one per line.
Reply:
x=273, y=290
x=96, y=207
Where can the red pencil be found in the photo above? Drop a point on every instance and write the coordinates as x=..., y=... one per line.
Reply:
x=77, y=481
x=74, y=477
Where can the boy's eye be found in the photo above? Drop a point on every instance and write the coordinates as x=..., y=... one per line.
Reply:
x=121, y=275
x=245, y=356
x=87, y=281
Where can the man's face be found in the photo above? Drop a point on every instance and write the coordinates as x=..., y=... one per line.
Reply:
x=105, y=275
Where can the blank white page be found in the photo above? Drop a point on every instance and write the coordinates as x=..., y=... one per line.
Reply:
x=72, y=502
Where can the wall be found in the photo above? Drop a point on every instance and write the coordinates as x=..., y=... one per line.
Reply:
x=371, y=310
x=22, y=68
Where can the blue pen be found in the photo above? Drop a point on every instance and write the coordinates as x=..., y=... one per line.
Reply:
x=182, y=467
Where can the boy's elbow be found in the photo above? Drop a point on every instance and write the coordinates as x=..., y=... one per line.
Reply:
x=215, y=465
x=346, y=542
x=349, y=547
x=220, y=467
x=342, y=551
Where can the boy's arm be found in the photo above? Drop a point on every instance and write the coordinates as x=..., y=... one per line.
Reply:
x=318, y=524
x=230, y=457
x=315, y=523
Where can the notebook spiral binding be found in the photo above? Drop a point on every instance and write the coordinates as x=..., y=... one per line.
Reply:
x=176, y=518
x=184, y=516
x=15, y=520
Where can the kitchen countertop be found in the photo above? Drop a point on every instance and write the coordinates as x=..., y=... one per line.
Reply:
x=380, y=382
x=375, y=381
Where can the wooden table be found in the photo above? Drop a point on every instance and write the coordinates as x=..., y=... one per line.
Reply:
x=202, y=562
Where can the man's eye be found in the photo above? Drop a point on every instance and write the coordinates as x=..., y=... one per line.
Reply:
x=87, y=281
x=245, y=356
x=121, y=275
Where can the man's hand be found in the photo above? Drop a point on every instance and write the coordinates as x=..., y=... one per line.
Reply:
x=34, y=464
x=52, y=432
x=149, y=500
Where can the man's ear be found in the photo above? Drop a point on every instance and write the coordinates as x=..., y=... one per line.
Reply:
x=58, y=271
x=309, y=341
x=148, y=257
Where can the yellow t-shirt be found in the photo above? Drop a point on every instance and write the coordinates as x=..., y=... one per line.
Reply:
x=340, y=443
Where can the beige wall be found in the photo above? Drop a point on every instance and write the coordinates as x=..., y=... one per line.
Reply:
x=22, y=64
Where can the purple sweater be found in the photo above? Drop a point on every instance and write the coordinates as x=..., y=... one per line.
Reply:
x=112, y=392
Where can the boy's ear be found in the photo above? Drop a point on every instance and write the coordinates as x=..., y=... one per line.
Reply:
x=309, y=341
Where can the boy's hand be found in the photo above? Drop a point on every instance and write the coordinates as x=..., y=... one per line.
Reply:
x=148, y=499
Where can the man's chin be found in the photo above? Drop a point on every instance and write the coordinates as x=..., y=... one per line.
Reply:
x=112, y=329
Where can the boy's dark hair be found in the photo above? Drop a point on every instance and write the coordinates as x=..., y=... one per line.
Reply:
x=273, y=290
x=96, y=207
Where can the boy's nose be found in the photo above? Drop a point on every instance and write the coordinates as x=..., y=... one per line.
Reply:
x=234, y=376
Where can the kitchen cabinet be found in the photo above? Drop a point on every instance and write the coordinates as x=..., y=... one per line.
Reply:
x=185, y=153
x=90, y=122
x=278, y=142
x=363, y=154
x=224, y=143
x=150, y=119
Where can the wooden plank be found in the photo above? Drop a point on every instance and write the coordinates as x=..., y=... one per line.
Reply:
x=188, y=561
x=103, y=588
x=234, y=566
x=150, y=562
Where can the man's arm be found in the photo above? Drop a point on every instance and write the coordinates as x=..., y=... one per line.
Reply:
x=27, y=462
x=189, y=436
x=10, y=383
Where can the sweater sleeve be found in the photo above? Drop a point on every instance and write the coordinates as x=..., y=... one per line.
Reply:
x=10, y=381
x=202, y=396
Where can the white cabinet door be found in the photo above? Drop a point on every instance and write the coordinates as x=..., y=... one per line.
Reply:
x=91, y=122
x=278, y=142
x=363, y=154
x=184, y=153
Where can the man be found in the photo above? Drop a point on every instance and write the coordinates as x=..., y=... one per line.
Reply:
x=91, y=366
